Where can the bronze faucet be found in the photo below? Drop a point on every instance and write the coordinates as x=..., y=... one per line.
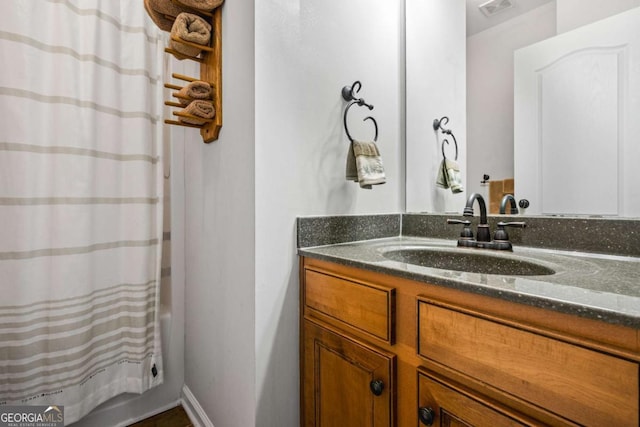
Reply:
x=483, y=234
x=483, y=240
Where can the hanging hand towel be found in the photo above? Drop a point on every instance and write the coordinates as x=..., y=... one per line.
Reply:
x=198, y=108
x=204, y=5
x=364, y=164
x=191, y=28
x=352, y=170
x=449, y=176
x=195, y=90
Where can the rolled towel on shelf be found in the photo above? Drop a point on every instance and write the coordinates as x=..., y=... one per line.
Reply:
x=196, y=90
x=204, y=5
x=167, y=7
x=190, y=28
x=449, y=176
x=364, y=164
x=198, y=108
x=160, y=12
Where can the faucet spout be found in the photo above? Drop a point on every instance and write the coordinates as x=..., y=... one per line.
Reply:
x=503, y=204
x=483, y=234
x=468, y=209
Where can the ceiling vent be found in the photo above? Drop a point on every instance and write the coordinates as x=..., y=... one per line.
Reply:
x=492, y=7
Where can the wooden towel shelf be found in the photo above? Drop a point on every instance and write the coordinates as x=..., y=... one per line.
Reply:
x=210, y=60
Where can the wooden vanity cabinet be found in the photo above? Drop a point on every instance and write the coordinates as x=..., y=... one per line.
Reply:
x=378, y=350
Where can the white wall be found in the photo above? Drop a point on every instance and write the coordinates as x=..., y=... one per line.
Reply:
x=219, y=246
x=281, y=154
x=306, y=51
x=435, y=81
x=576, y=13
x=490, y=91
x=244, y=191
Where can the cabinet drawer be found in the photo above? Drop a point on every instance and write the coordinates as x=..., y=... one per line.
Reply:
x=450, y=404
x=366, y=307
x=582, y=385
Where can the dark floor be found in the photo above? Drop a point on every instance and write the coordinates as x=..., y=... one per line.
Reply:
x=175, y=417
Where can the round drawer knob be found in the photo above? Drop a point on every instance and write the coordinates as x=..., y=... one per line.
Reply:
x=426, y=416
x=376, y=387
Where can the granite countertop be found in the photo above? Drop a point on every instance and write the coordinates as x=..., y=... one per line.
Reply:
x=597, y=286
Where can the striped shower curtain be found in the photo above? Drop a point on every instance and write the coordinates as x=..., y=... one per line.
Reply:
x=80, y=202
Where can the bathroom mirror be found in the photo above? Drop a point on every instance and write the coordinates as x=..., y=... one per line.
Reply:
x=550, y=152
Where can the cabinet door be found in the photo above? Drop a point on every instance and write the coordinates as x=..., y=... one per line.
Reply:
x=345, y=383
x=445, y=404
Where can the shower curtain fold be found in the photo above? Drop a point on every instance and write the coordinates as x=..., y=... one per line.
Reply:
x=81, y=199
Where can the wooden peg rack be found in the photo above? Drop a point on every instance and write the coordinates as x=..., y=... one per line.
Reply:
x=210, y=71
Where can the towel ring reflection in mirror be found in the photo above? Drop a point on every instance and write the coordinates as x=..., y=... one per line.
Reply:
x=438, y=124
x=346, y=128
x=444, y=156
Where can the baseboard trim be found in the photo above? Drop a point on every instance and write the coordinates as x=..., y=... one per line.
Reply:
x=150, y=414
x=193, y=409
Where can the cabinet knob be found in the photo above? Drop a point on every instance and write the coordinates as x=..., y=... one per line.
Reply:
x=376, y=387
x=426, y=416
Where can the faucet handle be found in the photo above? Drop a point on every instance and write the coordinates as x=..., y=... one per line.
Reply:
x=464, y=222
x=501, y=238
x=519, y=224
x=466, y=234
x=501, y=233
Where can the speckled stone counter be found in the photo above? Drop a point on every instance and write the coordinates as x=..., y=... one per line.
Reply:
x=599, y=286
x=616, y=236
x=327, y=230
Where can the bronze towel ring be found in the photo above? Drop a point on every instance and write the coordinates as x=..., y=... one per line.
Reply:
x=349, y=94
x=346, y=129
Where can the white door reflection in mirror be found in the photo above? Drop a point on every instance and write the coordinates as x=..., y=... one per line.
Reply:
x=576, y=126
x=579, y=100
